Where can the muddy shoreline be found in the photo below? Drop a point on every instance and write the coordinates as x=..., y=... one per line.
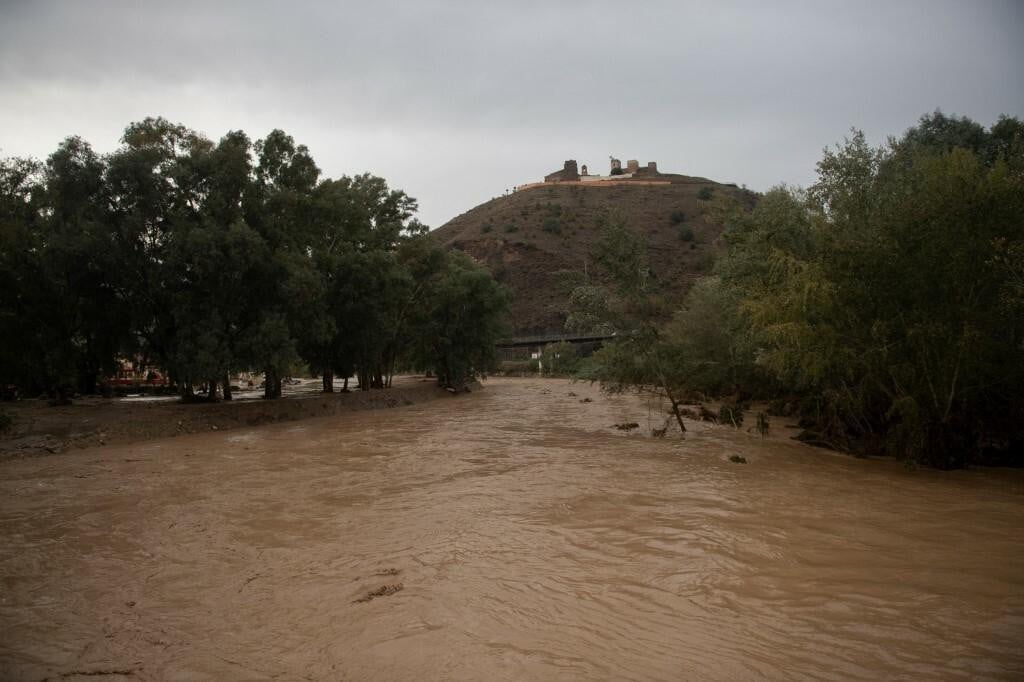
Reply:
x=41, y=430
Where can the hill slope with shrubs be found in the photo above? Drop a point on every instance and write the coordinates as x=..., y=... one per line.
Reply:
x=536, y=240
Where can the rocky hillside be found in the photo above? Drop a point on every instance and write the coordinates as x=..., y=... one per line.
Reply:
x=530, y=239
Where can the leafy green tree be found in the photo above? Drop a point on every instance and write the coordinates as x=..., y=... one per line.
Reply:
x=148, y=193
x=886, y=291
x=711, y=351
x=460, y=319
x=211, y=258
x=355, y=322
x=20, y=349
x=72, y=317
x=559, y=359
x=941, y=133
x=280, y=209
x=635, y=310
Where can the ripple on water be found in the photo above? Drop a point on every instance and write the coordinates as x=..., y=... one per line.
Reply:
x=531, y=541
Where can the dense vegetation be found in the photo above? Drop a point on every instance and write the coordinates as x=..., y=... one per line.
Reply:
x=207, y=259
x=886, y=300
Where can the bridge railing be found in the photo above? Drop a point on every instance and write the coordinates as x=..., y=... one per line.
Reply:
x=544, y=339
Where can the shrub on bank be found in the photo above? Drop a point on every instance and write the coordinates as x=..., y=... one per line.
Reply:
x=518, y=367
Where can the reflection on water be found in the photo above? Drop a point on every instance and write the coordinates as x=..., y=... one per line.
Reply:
x=508, y=534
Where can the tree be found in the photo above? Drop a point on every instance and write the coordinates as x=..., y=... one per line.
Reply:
x=635, y=310
x=365, y=285
x=280, y=209
x=458, y=322
x=559, y=359
x=20, y=213
x=67, y=315
x=211, y=258
x=708, y=345
x=886, y=294
x=151, y=189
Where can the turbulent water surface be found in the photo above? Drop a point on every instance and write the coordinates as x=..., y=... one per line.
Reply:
x=508, y=534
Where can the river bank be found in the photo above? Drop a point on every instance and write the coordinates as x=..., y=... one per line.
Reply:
x=512, y=533
x=38, y=429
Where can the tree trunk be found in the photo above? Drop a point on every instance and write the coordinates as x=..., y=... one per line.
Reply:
x=211, y=392
x=675, y=409
x=269, y=378
x=60, y=396
x=227, y=387
x=328, y=381
x=344, y=387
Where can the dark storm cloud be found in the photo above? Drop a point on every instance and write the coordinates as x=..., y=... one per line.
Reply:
x=455, y=102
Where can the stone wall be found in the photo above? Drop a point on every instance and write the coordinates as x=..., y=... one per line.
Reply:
x=569, y=173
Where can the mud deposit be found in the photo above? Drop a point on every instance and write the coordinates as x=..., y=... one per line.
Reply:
x=94, y=421
x=512, y=533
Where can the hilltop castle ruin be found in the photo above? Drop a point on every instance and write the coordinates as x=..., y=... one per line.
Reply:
x=571, y=173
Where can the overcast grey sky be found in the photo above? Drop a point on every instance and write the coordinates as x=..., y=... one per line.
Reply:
x=456, y=101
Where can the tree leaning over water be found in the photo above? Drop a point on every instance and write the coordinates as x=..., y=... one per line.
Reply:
x=206, y=259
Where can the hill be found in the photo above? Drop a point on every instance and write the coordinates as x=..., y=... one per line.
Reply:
x=532, y=238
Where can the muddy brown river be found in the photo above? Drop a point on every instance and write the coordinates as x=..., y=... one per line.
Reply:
x=507, y=534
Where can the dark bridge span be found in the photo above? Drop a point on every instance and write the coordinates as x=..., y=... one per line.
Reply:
x=527, y=347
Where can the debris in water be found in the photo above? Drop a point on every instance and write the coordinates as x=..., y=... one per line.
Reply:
x=738, y=459
x=762, y=424
x=382, y=591
x=127, y=672
x=627, y=426
x=707, y=415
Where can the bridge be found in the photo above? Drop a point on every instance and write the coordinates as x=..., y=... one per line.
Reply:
x=527, y=347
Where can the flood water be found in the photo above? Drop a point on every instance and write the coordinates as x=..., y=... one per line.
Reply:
x=508, y=534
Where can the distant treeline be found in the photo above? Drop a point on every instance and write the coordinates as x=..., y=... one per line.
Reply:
x=207, y=259
x=884, y=304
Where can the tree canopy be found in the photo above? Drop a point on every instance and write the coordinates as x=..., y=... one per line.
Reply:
x=887, y=298
x=209, y=258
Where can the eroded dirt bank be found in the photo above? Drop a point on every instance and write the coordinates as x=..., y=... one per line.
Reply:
x=39, y=429
x=512, y=533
